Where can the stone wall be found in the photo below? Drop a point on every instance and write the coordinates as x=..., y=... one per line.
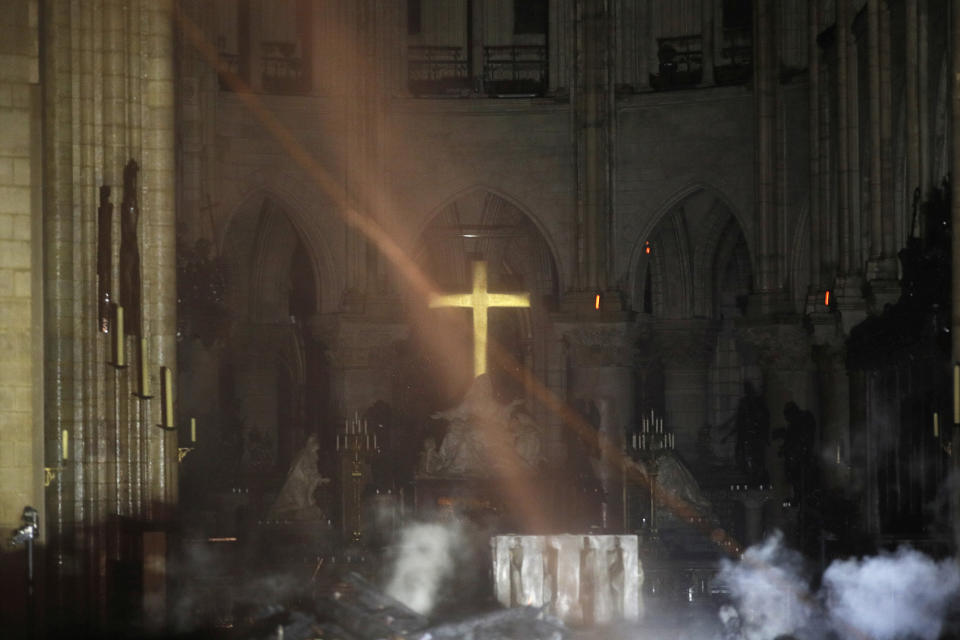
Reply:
x=20, y=337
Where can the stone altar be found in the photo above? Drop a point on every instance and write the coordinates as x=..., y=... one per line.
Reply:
x=581, y=579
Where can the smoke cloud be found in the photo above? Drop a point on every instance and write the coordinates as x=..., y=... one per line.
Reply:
x=426, y=557
x=769, y=591
x=905, y=594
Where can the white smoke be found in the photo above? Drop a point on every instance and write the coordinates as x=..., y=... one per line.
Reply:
x=768, y=590
x=905, y=594
x=426, y=557
x=895, y=595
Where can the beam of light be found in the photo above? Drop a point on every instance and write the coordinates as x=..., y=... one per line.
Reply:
x=527, y=494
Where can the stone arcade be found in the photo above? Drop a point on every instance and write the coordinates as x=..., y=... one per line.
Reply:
x=231, y=230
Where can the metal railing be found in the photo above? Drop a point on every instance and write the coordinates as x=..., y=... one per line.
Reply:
x=681, y=62
x=281, y=70
x=515, y=70
x=229, y=66
x=437, y=70
x=735, y=64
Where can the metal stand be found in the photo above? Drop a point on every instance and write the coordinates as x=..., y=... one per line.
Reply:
x=25, y=535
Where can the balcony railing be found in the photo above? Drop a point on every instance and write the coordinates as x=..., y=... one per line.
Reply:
x=282, y=70
x=515, y=70
x=229, y=65
x=735, y=64
x=437, y=70
x=681, y=62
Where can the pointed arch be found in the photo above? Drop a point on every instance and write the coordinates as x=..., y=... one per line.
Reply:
x=483, y=188
x=260, y=206
x=689, y=228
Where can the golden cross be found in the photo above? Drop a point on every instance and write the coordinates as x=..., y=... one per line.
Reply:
x=480, y=300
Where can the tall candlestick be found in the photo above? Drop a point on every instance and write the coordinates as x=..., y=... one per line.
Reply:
x=166, y=390
x=119, y=357
x=956, y=393
x=65, y=444
x=144, y=370
x=936, y=425
x=193, y=429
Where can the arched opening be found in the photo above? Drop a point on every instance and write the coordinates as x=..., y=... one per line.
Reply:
x=266, y=360
x=483, y=226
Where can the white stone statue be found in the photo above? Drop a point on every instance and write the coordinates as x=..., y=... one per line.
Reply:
x=295, y=500
x=483, y=436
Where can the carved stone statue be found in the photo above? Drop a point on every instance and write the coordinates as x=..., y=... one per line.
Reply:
x=296, y=499
x=483, y=436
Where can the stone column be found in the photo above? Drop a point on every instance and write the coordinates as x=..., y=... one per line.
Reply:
x=121, y=462
x=707, y=32
x=593, y=123
x=955, y=239
x=362, y=366
x=765, y=82
x=600, y=370
x=685, y=348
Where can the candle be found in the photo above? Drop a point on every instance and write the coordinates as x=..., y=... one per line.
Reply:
x=366, y=435
x=374, y=440
x=936, y=425
x=193, y=429
x=166, y=390
x=119, y=358
x=956, y=393
x=144, y=370
x=838, y=453
x=338, y=442
x=65, y=443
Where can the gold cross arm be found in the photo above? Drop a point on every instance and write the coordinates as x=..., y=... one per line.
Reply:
x=480, y=300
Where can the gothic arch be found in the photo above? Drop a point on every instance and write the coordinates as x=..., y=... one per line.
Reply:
x=685, y=239
x=326, y=282
x=483, y=188
x=310, y=212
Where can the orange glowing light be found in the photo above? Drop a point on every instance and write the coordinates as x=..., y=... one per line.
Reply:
x=646, y=247
x=826, y=298
x=596, y=302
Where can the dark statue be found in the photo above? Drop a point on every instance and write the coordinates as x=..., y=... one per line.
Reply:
x=797, y=448
x=751, y=427
x=130, y=250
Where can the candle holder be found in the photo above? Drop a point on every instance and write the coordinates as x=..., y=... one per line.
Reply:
x=649, y=445
x=50, y=474
x=354, y=445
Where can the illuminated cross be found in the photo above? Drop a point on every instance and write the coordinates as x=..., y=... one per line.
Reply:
x=480, y=300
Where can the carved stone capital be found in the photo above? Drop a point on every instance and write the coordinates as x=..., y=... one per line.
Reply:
x=775, y=345
x=685, y=344
x=600, y=344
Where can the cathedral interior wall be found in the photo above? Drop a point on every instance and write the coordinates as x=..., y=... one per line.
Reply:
x=20, y=273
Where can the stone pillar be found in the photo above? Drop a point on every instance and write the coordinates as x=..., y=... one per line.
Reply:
x=22, y=455
x=600, y=370
x=707, y=32
x=121, y=463
x=685, y=348
x=955, y=239
x=765, y=72
x=361, y=359
x=834, y=419
x=593, y=126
